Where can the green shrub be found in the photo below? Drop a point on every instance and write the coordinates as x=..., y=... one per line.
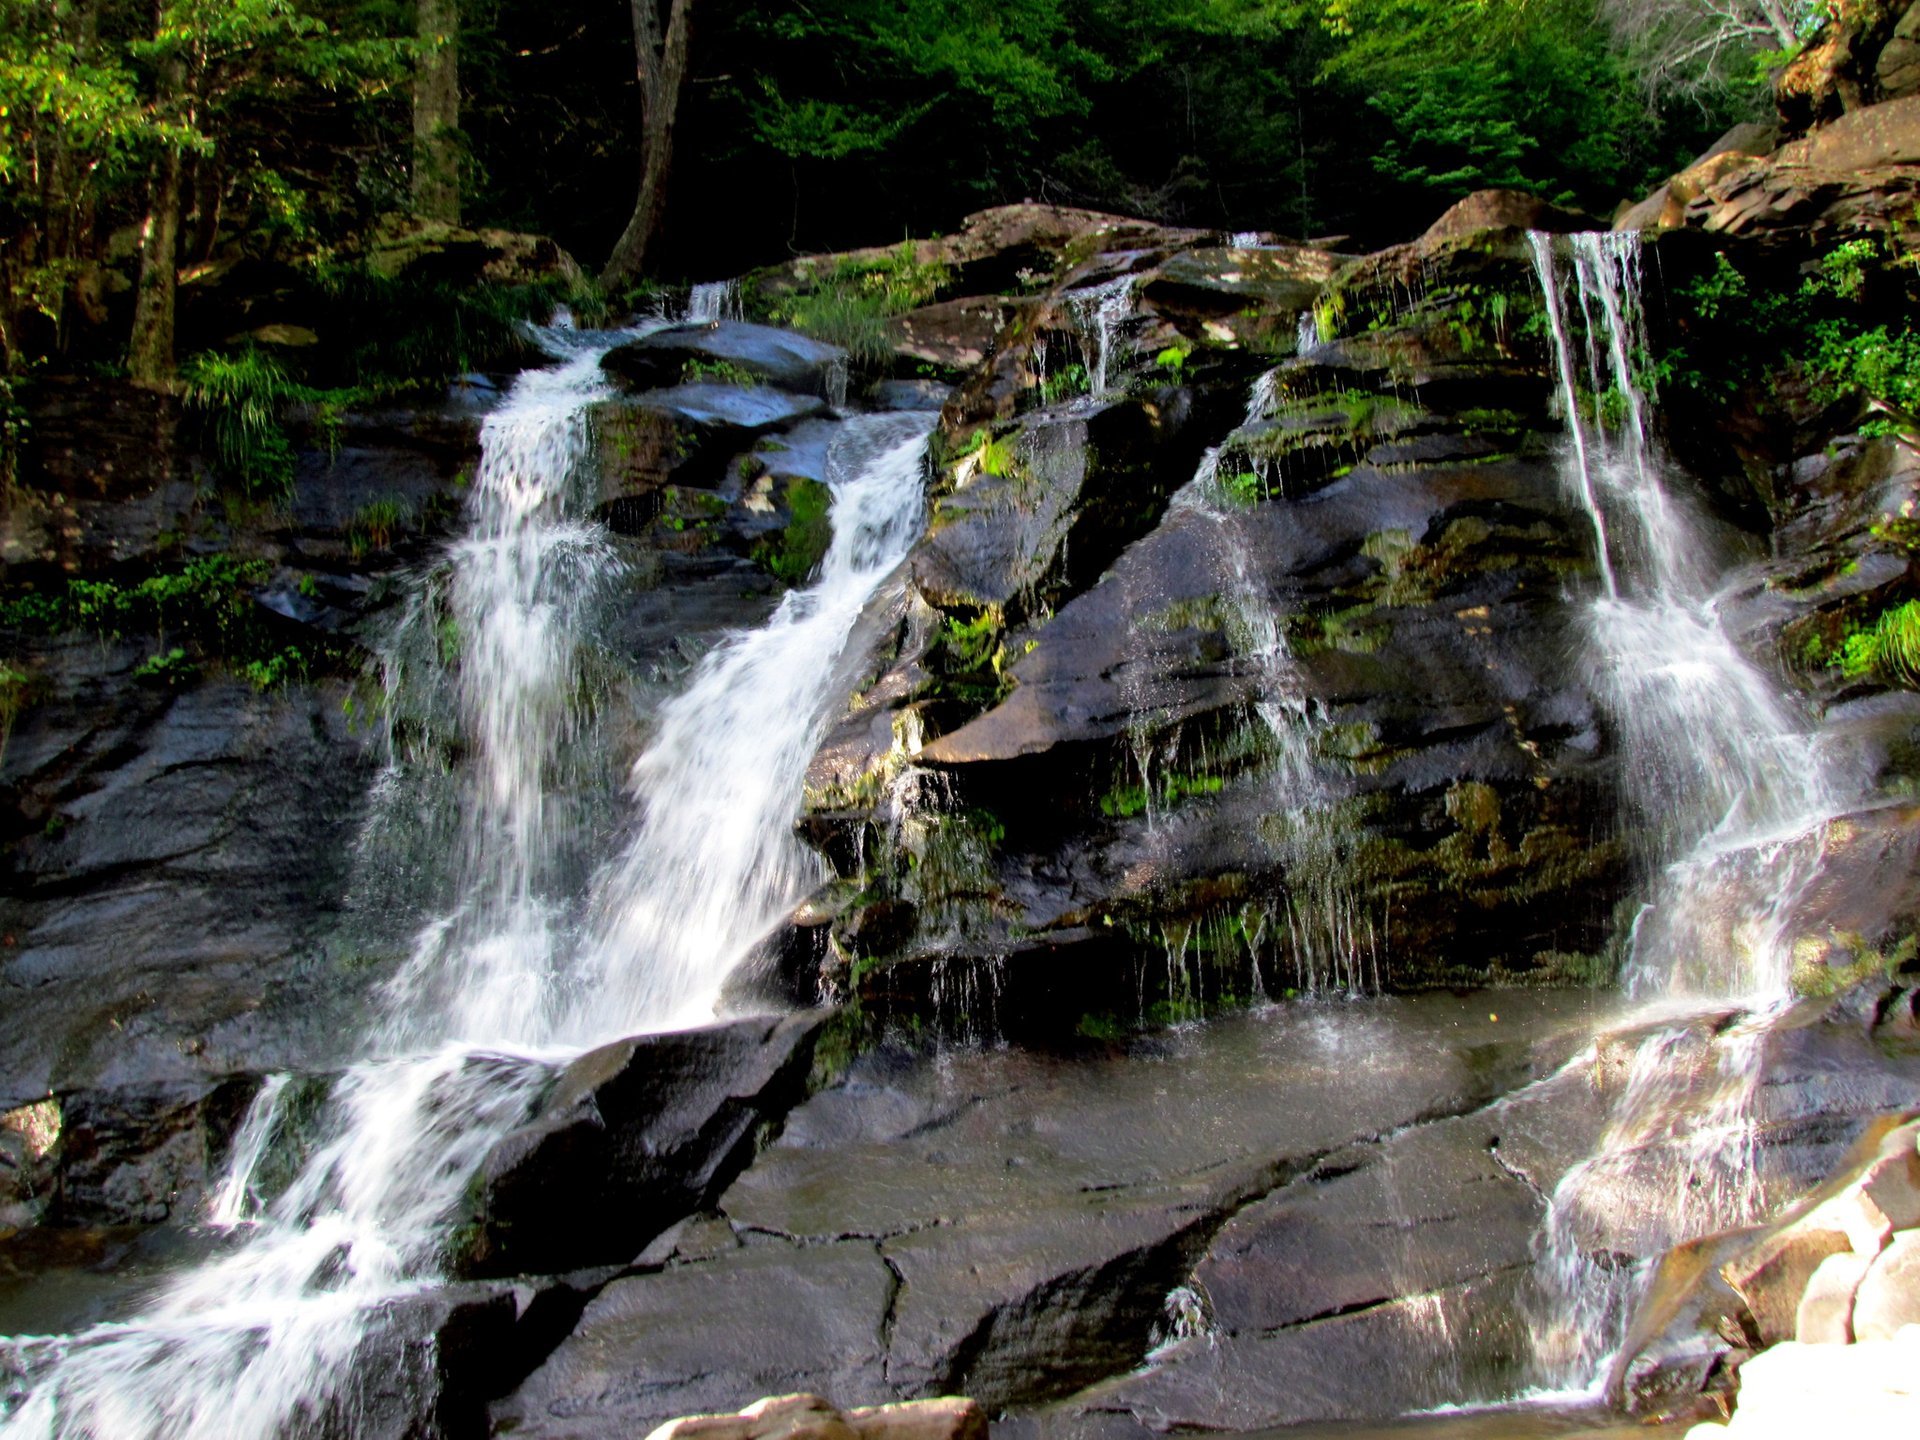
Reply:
x=237, y=399
x=376, y=523
x=1890, y=647
x=206, y=606
x=851, y=304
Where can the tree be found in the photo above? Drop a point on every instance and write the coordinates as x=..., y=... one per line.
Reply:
x=436, y=112
x=660, y=55
x=1690, y=47
x=207, y=56
x=72, y=127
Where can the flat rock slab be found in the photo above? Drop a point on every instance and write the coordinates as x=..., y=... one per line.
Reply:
x=1007, y=1225
x=779, y=357
x=711, y=1335
x=731, y=407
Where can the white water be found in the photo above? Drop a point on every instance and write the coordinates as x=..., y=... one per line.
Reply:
x=1728, y=791
x=1098, y=313
x=712, y=301
x=504, y=988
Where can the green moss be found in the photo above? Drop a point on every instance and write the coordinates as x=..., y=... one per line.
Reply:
x=792, y=553
x=1125, y=801
x=1830, y=965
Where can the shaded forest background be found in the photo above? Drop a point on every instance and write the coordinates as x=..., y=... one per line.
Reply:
x=145, y=140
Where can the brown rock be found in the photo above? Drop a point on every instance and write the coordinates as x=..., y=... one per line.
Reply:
x=1499, y=210
x=951, y=1417
x=1659, y=211
x=779, y=1417
x=955, y=333
x=1773, y=1275
x=1865, y=139
x=1889, y=1296
x=1892, y=1182
x=1690, y=184
x=1826, y=1309
x=808, y=1417
x=1897, y=72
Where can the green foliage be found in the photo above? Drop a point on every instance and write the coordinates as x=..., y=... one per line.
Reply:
x=1125, y=801
x=415, y=330
x=1831, y=330
x=166, y=668
x=794, y=552
x=238, y=398
x=718, y=372
x=971, y=644
x=1063, y=384
x=205, y=606
x=1244, y=488
x=1173, y=360
x=376, y=524
x=851, y=303
x=1889, y=647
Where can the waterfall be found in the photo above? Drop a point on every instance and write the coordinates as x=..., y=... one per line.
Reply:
x=1335, y=947
x=1098, y=313
x=712, y=301
x=519, y=974
x=1727, y=789
x=713, y=863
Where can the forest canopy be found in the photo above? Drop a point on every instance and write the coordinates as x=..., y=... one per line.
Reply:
x=142, y=138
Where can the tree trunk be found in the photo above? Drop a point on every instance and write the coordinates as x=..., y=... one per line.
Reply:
x=150, y=351
x=436, y=112
x=661, y=65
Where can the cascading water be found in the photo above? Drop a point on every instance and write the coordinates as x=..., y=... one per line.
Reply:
x=509, y=983
x=1729, y=791
x=713, y=863
x=1334, y=947
x=1098, y=313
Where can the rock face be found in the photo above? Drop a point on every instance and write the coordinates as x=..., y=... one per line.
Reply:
x=1084, y=744
x=1009, y=1225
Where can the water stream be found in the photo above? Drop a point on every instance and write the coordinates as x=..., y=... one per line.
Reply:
x=522, y=972
x=1727, y=790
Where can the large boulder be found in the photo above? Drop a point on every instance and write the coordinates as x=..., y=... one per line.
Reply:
x=632, y=1137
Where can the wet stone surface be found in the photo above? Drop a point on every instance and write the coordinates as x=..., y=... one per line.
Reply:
x=1008, y=1224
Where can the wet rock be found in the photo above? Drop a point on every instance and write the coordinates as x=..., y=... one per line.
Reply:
x=1008, y=1224
x=909, y=395
x=1423, y=1215
x=708, y=1336
x=1326, y=1370
x=1282, y=281
x=1074, y=491
x=633, y=1136
x=183, y=864
x=429, y=1364
x=778, y=357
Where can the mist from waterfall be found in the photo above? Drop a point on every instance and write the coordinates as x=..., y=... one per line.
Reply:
x=521, y=972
